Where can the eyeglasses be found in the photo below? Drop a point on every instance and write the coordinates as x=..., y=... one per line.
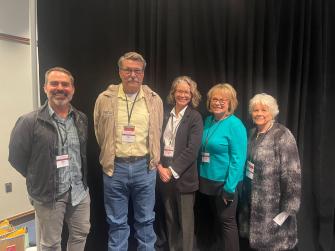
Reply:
x=181, y=92
x=129, y=71
x=220, y=101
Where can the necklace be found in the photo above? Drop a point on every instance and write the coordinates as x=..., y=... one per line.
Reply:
x=223, y=118
x=259, y=133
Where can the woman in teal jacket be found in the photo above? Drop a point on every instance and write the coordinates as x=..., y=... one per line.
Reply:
x=223, y=155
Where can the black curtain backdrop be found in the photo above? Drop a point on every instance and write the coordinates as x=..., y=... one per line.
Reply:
x=283, y=47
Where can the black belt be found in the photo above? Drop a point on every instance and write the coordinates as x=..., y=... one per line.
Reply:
x=131, y=158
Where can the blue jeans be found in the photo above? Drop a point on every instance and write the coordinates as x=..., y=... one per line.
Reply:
x=130, y=180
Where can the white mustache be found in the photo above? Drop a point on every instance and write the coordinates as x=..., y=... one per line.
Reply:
x=133, y=80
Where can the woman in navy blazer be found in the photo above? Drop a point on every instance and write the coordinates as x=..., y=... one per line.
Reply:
x=178, y=172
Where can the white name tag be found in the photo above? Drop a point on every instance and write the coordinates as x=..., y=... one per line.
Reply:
x=62, y=161
x=205, y=157
x=281, y=218
x=128, y=134
x=168, y=151
x=250, y=170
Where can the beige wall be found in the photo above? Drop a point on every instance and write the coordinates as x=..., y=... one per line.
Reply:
x=16, y=97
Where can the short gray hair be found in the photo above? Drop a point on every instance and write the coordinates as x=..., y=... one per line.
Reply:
x=60, y=69
x=264, y=99
x=132, y=56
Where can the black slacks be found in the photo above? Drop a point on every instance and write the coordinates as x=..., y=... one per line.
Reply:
x=225, y=216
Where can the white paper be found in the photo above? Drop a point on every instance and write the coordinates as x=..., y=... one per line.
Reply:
x=281, y=218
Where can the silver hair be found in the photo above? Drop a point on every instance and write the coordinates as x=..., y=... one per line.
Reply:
x=132, y=56
x=264, y=99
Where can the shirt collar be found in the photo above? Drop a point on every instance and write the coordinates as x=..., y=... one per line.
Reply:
x=181, y=113
x=121, y=94
x=53, y=114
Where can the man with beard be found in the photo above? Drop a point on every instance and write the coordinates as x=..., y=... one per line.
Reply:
x=127, y=122
x=48, y=147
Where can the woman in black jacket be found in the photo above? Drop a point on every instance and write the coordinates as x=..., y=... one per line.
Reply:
x=178, y=173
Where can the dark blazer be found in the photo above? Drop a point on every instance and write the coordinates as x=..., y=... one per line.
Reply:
x=187, y=145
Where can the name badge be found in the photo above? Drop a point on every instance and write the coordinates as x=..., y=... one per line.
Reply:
x=62, y=161
x=250, y=170
x=168, y=151
x=205, y=157
x=128, y=134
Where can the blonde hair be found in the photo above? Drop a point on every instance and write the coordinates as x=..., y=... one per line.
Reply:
x=264, y=99
x=227, y=91
x=196, y=96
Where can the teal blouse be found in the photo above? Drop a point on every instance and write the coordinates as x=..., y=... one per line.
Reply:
x=226, y=143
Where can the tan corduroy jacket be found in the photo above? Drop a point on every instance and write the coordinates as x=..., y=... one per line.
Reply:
x=105, y=122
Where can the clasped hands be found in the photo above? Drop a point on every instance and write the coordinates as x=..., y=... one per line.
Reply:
x=165, y=174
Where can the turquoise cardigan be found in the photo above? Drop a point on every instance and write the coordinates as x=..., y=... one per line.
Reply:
x=227, y=146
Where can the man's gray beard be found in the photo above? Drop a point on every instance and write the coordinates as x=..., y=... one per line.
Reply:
x=64, y=102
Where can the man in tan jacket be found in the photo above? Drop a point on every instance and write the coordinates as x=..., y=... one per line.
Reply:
x=127, y=122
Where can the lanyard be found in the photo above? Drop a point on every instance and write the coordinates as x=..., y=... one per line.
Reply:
x=132, y=107
x=60, y=133
x=210, y=135
x=174, y=130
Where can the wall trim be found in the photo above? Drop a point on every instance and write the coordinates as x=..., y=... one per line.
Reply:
x=20, y=215
x=13, y=38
